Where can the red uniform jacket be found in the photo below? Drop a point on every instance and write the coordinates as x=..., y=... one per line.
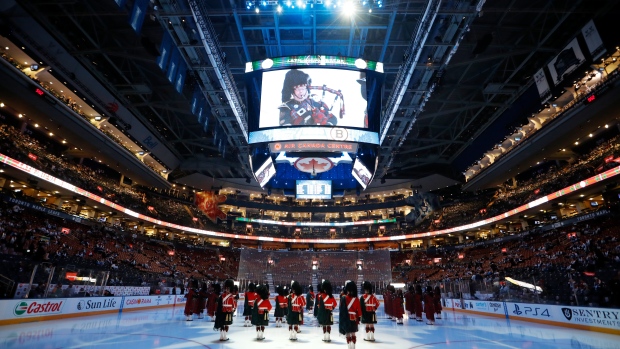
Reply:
x=371, y=303
x=228, y=302
x=355, y=310
x=329, y=302
x=251, y=297
x=264, y=305
x=282, y=301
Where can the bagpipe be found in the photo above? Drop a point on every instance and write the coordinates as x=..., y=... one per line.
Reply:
x=337, y=96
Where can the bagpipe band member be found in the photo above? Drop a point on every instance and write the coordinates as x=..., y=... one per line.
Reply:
x=281, y=302
x=214, y=295
x=201, y=301
x=369, y=305
x=429, y=306
x=410, y=302
x=418, y=303
x=326, y=307
x=299, y=107
x=191, y=298
x=295, y=317
x=317, y=300
x=260, y=311
x=250, y=298
x=310, y=299
x=225, y=308
x=437, y=299
x=350, y=313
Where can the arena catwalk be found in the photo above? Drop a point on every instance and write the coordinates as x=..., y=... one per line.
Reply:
x=167, y=329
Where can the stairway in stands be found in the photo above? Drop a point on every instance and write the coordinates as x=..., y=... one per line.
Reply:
x=272, y=288
x=360, y=281
x=315, y=283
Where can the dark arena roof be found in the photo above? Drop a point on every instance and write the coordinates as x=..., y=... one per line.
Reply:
x=470, y=95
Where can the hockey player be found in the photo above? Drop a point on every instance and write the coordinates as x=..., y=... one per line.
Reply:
x=250, y=298
x=326, y=307
x=369, y=305
x=260, y=311
x=350, y=313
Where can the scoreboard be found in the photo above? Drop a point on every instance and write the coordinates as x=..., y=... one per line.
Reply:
x=313, y=189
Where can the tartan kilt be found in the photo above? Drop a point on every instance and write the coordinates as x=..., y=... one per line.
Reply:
x=279, y=312
x=260, y=319
x=369, y=317
x=326, y=317
x=295, y=318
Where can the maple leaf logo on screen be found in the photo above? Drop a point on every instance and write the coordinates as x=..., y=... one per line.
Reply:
x=207, y=202
x=313, y=165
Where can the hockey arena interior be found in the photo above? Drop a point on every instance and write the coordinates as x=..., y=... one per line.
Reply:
x=309, y=173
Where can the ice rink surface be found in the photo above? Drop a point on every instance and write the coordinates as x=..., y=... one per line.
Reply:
x=166, y=328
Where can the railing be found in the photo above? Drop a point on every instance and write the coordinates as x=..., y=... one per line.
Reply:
x=6, y=287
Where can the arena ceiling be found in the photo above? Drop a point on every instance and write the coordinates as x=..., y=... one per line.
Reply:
x=452, y=67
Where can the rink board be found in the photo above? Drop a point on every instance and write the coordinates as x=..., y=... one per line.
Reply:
x=605, y=320
x=40, y=309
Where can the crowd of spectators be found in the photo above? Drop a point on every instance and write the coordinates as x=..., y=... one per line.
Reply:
x=28, y=238
x=160, y=204
x=467, y=209
x=574, y=265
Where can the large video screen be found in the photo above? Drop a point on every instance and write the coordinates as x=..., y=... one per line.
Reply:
x=313, y=97
x=361, y=173
x=265, y=172
x=313, y=189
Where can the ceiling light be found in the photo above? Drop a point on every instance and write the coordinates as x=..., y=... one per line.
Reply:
x=20, y=116
x=590, y=135
x=36, y=125
x=51, y=134
x=1, y=104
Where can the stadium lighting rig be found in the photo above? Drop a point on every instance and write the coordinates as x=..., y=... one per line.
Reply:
x=347, y=6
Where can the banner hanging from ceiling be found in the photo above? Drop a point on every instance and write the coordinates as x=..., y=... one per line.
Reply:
x=207, y=202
